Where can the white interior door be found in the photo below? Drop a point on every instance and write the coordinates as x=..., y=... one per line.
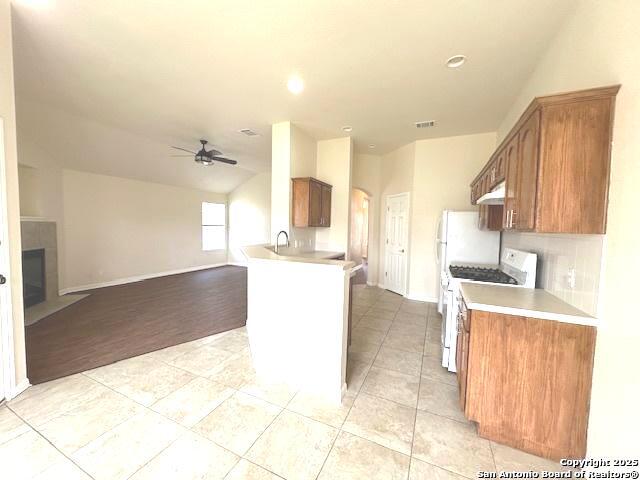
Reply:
x=396, y=244
x=6, y=339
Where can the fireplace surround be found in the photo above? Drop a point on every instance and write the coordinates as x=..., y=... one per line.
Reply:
x=34, y=284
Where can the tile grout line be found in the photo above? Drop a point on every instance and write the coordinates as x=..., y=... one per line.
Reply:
x=415, y=418
x=50, y=443
x=340, y=429
x=190, y=429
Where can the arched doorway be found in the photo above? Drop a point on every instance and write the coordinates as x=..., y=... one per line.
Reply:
x=359, y=238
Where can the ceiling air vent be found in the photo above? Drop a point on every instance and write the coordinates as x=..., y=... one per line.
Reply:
x=427, y=124
x=248, y=132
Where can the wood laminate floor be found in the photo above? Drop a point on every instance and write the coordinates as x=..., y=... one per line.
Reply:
x=124, y=321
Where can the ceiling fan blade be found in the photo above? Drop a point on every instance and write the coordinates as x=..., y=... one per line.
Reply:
x=181, y=156
x=183, y=149
x=224, y=160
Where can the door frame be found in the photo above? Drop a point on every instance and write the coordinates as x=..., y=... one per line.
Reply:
x=8, y=373
x=408, y=230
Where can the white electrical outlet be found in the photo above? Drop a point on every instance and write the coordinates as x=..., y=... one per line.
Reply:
x=571, y=278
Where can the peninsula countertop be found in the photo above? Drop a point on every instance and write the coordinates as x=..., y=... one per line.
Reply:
x=323, y=257
x=526, y=302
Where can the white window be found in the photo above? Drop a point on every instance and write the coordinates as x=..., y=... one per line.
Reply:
x=214, y=226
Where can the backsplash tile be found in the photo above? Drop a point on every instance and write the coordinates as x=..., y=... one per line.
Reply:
x=557, y=254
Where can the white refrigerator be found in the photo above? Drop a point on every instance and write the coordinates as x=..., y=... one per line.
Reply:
x=460, y=240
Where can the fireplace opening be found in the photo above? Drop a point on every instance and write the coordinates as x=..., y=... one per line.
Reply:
x=33, y=277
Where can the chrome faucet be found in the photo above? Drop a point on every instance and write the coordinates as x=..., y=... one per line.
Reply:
x=278, y=239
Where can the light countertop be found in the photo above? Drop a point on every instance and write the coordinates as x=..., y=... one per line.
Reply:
x=322, y=257
x=526, y=302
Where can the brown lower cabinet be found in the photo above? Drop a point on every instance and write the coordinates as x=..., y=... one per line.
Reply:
x=526, y=381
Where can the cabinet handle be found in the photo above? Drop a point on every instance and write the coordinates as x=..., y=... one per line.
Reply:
x=513, y=212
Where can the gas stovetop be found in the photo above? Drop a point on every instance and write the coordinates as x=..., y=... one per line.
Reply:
x=482, y=274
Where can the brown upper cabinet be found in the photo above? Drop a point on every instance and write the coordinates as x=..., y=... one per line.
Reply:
x=555, y=162
x=311, y=203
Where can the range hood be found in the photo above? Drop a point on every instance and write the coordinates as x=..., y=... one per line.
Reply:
x=494, y=197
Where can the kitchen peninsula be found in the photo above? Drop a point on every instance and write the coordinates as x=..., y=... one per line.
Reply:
x=297, y=318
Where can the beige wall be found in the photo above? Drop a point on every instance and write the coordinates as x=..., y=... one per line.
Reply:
x=304, y=153
x=396, y=176
x=596, y=47
x=296, y=154
x=280, y=178
x=11, y=189
x=359, y=235
x=249, y=215
x=334, y=167
x=366, y=176
x=29, y=182
x=444, y=168
x=437, y=174
x=117, y=228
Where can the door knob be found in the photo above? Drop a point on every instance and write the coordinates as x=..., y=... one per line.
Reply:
x=402, y=250
x=3, y=279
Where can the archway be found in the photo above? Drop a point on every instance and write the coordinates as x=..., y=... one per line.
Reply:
x=359, y=237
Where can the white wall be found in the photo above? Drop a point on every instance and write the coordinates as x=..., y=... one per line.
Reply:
x=334, y=167
x=249, y=215
x=366, y=176
x=118, y=228
x=596, y=47
x=444, y=168
x=13, y=271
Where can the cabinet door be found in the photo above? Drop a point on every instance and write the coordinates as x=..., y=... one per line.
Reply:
x=511, y=178
x=482, y=217
x=462, y=358
x=524, y=215
x=326, y=206
x=500, y=167
x=315, y=204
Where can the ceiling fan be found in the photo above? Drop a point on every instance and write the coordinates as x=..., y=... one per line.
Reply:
x=204, y=156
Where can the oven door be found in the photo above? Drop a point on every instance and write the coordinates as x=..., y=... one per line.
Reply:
x=444, y=335
x=452, y=329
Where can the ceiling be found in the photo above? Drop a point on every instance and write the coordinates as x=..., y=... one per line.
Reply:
x=173, y=72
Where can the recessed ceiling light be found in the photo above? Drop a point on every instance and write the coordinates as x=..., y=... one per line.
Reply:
x=456, y=61
x=347, y=128
x=372, y=145
x=295, y=84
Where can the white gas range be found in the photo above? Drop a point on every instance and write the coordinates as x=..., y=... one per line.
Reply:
x=517, y=269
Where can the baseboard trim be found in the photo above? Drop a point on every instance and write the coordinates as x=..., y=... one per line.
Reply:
x=21, y=387
x=422, y=298
x=137, y=278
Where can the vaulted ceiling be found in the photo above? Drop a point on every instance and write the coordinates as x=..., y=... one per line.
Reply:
x=172, y=72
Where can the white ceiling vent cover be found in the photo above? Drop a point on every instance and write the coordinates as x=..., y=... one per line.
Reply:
x=426, y=124
x=248, y=132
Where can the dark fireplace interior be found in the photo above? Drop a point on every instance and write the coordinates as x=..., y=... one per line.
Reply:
x=33, y=278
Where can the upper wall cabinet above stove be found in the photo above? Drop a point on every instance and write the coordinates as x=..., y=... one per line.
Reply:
x=555, y=162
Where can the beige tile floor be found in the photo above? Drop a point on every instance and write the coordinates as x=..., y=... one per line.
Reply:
x=196, y=411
